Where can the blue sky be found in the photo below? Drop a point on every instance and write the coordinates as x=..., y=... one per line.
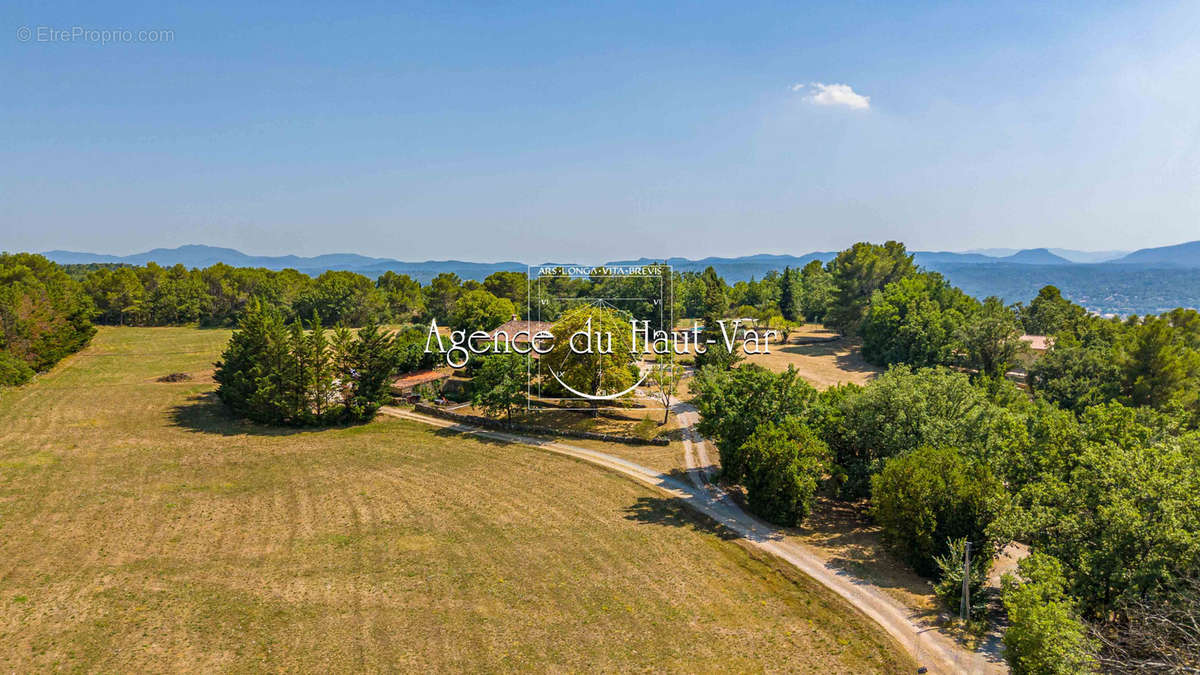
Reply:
x=600, y=131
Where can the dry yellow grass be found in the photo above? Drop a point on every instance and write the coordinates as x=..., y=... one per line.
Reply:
x=664, y=458
x=143, y=529
x=817, y=353
x=823, y=364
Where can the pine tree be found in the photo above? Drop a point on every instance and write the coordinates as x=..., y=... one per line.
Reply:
x=278, y=374
x=716, y=304
x=321, y=371
x=269, y=400
x=789, y=294
x=367, y=363
x=297, y=376
x=247, y=347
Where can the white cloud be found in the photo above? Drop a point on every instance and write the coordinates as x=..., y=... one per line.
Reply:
x=835, y=94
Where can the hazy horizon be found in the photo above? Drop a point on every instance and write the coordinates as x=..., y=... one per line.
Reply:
x=992, y=252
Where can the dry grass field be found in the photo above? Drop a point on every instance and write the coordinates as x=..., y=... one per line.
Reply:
x=143, y=529
x=818, y=354
x=823, y=364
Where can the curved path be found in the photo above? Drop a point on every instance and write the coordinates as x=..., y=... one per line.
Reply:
x=930, y=648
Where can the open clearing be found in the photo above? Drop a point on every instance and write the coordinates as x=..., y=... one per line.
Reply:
x=142, y=528
x=820, y=356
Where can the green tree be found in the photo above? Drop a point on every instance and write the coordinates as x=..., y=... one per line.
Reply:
x=297, y=378
x=717, y=353
x=817, y=291
x=1158, y=368
x=785, y=463
x=733, y=403
x=790, y=292
x=689, y=289
x=715, y=299
x=13, y=371
x=250, y=372
x=338, y=296
x=117, y=294
x=857, y=273
x=369, y=363
x=402, y=294
x=479, y=310
x=322, y=375
x=500, y=383
x=44, y=314
x=992, y=338
x=901, y=411
x=950, y=575
x=441, y=294
x=663, y=379
x=511, y=285
x=916, y=321
x=410, y=351
x=1074, y=375
x=1044, y=636
x=1050, y=313
x=925, y=498
x=275, y=374
x=602, y=370
x=1125, y=519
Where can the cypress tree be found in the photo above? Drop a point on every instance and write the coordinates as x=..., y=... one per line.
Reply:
x=321, y=372
x=789, y=294
x=277, y=374
x=370, y=361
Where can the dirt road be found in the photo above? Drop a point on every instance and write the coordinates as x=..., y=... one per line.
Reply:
x=937, y=652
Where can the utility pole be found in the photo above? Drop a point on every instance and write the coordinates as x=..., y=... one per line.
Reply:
x=966, y=589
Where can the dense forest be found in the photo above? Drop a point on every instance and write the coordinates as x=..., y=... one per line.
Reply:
x=1095, y=465
x=44, y=316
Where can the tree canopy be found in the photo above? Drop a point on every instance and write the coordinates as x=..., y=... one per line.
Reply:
x=44, y=316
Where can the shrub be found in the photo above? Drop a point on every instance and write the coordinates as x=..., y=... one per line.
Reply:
x=175, y=377
x=950, y=569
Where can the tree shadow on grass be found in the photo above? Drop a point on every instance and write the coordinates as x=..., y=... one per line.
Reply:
x=845, y=529
x=205, y=414
x=844, y=354
x=668, y=512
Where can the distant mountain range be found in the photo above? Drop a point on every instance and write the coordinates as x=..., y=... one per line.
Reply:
x=733, y=269
x=1186, y=255
x=1149, y=280
x=1070, y=254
